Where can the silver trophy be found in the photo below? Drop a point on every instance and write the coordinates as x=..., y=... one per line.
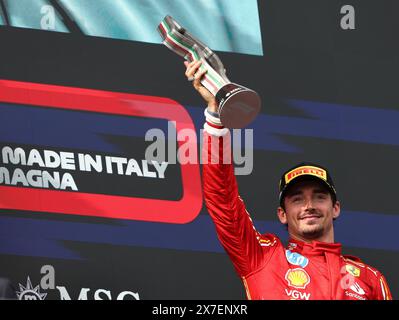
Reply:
x=237, y=105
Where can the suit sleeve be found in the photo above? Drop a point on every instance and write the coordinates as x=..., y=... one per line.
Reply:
x=382, y=289
x=245, y=246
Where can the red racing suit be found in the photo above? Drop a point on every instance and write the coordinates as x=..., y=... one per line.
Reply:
x=307, y=271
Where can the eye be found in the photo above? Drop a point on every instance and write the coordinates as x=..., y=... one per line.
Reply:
x=296, y=199
x=321, y=196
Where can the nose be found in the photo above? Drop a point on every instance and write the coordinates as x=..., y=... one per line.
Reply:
x=309, y=204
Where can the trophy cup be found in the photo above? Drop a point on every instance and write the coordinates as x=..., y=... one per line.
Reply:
x=237, y=105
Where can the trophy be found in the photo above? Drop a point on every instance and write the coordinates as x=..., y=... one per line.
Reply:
x=237, y=105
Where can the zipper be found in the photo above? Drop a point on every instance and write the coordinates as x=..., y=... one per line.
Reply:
x=330, y=274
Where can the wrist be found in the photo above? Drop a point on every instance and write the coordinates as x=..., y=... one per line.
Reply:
x=212, y=117
x=212, y=106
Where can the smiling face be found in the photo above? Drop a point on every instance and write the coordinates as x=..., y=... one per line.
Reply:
x=309, y=211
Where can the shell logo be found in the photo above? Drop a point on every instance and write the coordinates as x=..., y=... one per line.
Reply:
x=297, y=278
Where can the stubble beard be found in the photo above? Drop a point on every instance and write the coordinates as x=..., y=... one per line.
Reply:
x=312, y=231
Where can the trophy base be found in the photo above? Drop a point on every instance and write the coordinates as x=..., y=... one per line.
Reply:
x=238, y=106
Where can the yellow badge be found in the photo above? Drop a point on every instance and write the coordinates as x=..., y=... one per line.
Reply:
x=306, y=170
x=297, y=278
x=354, y=271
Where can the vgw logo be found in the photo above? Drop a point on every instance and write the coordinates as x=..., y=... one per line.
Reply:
x=47, y=282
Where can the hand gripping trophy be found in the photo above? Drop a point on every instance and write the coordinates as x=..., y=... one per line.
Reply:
x=237, y=105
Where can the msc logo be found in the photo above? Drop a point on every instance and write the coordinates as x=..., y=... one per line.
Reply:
x=47, y=282
x=29, y=293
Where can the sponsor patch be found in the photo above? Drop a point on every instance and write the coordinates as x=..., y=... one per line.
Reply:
x=306, y=170
x=354, y=295
x=357, y=288
x=297, y=295
x=354, y=271
x=296, y=258
x=297, y=278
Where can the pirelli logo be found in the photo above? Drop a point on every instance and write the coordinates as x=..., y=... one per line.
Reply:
x=306, y=170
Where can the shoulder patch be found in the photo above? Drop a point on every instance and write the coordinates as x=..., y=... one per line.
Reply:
x=357, y=262
x=353, y=270
x=352, y=259
x=267, y=240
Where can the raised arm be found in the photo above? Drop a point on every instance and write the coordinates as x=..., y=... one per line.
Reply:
x=245, y=246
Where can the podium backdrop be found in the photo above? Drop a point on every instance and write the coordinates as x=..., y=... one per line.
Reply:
x=80, y=87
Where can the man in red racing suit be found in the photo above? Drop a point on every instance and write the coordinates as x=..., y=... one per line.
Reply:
x=311, y=267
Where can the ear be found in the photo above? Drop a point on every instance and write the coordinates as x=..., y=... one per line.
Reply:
x=336, y=209
x=282, y=216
